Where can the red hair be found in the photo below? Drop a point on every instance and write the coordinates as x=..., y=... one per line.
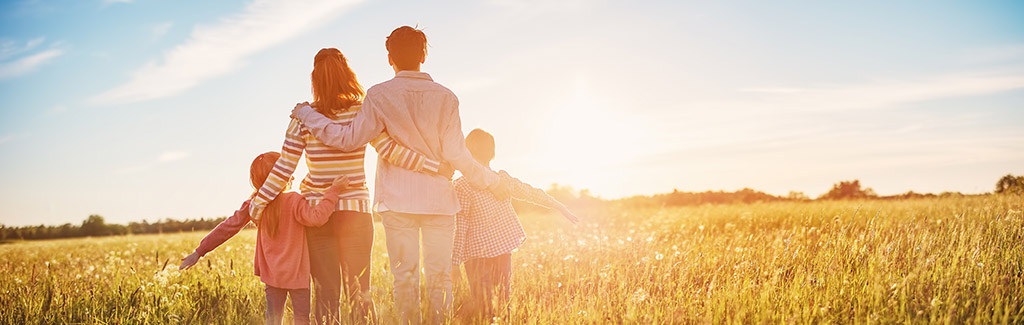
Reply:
x=259, y=170
x=335, y=86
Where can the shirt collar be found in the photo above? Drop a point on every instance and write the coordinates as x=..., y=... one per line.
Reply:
x=413, y=74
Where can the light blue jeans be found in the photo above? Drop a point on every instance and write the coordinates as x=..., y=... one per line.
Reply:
x=403, y=232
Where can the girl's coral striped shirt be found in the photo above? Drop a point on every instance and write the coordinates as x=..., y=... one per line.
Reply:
x=327, y=163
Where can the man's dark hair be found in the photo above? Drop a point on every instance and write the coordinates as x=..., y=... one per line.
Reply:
x=407, y=46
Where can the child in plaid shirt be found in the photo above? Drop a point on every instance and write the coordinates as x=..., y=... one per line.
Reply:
x=487, y=229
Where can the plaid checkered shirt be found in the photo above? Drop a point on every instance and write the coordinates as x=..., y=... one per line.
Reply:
x=487, y=226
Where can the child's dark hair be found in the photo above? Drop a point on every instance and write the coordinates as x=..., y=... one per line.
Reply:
x=480, y=145
x=407, y=46
x=259, y=170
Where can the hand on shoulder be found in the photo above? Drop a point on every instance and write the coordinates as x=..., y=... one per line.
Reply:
x=446, y=169
x=502, y=189
x=299, y=106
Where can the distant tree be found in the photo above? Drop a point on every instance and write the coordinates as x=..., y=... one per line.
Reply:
x=67, y=231
x=848, y=190
x=95, y=226
x=910, y=195
x=117, y=229
x=797, y=196
x=562, y=193
x=951, y=194
x=140, y=227
x=29, y=233
x=1010, y=184
x=40, y=232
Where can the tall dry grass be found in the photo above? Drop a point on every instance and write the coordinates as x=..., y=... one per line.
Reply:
x=932, y=260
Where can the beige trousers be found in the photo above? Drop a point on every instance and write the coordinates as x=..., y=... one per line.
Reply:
x=403, y=233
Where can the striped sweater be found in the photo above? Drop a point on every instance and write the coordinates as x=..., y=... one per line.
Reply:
x=327, y=163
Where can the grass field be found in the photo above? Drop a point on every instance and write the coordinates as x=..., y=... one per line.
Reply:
x=932, y=260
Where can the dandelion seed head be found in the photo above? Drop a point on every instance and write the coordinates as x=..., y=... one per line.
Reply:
x=640, y=295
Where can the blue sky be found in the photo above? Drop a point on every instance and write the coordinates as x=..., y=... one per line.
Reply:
x=153, y=109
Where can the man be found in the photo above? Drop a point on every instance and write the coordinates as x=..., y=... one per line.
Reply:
x=424, y=116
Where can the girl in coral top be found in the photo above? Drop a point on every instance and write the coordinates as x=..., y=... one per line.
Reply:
x=282, y=257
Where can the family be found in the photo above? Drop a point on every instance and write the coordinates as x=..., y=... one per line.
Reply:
x=324, y=233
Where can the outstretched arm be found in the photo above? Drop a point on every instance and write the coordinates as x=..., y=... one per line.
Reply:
x=279, y=176
x=524, y=192
x=345, y=136
x=220, y=234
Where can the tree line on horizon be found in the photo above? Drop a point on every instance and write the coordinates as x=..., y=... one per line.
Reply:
x=843, y=190
x=95, y=225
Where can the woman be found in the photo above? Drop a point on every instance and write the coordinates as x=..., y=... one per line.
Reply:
x=341, y=247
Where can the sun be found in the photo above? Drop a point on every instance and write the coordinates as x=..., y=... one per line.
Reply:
x=585, y=138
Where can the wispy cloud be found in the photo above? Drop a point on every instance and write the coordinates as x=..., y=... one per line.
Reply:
x=159, y=30
x=6, y=138
x=165, y=157
x=172, y=156
x=133, y=169
x=813, y=122
x=109, y=2
x=773, y=90
x=881, y=95
x=473, y=84
x=1006, y=53
x=777, y=90
x=222, y=47
x=10, y=48
x=538, y=6
x=27, y=64
x=13, y=63
x=57, y=110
